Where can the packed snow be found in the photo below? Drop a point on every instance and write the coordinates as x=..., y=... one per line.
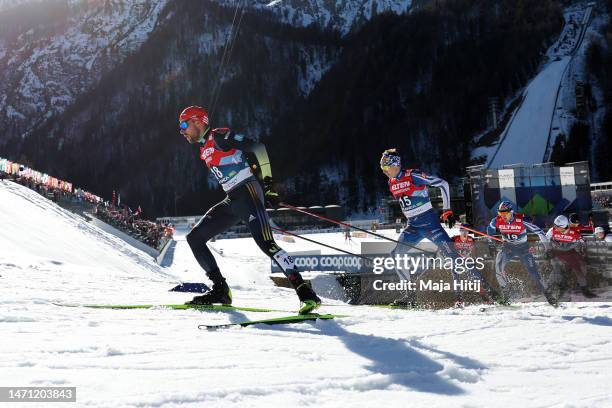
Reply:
x=536, y=356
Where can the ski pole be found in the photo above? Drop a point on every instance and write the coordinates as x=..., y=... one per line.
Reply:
x=482, y=233
x=354, y=227
x=320, y=243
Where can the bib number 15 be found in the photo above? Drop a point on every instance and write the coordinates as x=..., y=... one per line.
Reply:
x=405, y=202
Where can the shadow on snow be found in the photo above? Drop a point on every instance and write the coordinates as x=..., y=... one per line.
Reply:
x=399, y=360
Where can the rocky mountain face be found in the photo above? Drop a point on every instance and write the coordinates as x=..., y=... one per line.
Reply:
x=51, y=52
x=93, y=89
x=333, y=15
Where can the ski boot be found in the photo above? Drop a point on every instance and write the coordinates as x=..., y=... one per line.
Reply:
x=220, y=293
x=586, y=292
x=554, y=302
x=309, y=300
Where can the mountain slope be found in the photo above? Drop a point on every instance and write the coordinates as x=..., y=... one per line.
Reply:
x=340, y=16
x=158, y=357
x=420, y=83
x=326, y=104
x=46, y=67
x=52, y=52
x=131, y=114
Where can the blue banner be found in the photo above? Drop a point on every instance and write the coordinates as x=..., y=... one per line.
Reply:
x=331, y=263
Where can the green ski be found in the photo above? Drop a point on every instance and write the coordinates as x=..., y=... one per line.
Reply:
x=278, y=320
x=179, y=307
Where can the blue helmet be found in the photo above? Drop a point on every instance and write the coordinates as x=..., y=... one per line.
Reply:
x=505, y=206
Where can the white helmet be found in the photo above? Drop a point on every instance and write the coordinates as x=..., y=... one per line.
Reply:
x=561, y=221
x=599, y=230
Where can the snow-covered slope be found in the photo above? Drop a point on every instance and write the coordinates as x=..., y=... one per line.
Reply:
x=341, y=16
x=533, y=357
x=47, y=67
x=47, y=63
x=527, y=136
x=42, y=238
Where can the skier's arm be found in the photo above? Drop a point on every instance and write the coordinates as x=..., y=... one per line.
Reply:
x=422, y=178
x=226, y=140
x=492, y=227
x=257, y=151
x=549, y=234
x=537, y=230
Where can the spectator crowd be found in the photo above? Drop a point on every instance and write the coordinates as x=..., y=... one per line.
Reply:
x=125, y=219
x=66, y=195
x=602, y=199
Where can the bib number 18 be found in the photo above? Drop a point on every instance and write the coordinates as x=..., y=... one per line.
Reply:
x=216, y=172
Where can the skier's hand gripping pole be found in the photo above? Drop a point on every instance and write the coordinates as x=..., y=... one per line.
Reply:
x=483, y=234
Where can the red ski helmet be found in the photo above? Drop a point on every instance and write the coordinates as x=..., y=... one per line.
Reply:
x=194, y=112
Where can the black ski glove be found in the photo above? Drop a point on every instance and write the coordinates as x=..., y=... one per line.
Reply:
x=448, y=217
x=271, y=197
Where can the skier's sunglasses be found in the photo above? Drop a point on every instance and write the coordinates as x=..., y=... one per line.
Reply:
x=387, y=162
x=184, y=124
x=503, y=212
